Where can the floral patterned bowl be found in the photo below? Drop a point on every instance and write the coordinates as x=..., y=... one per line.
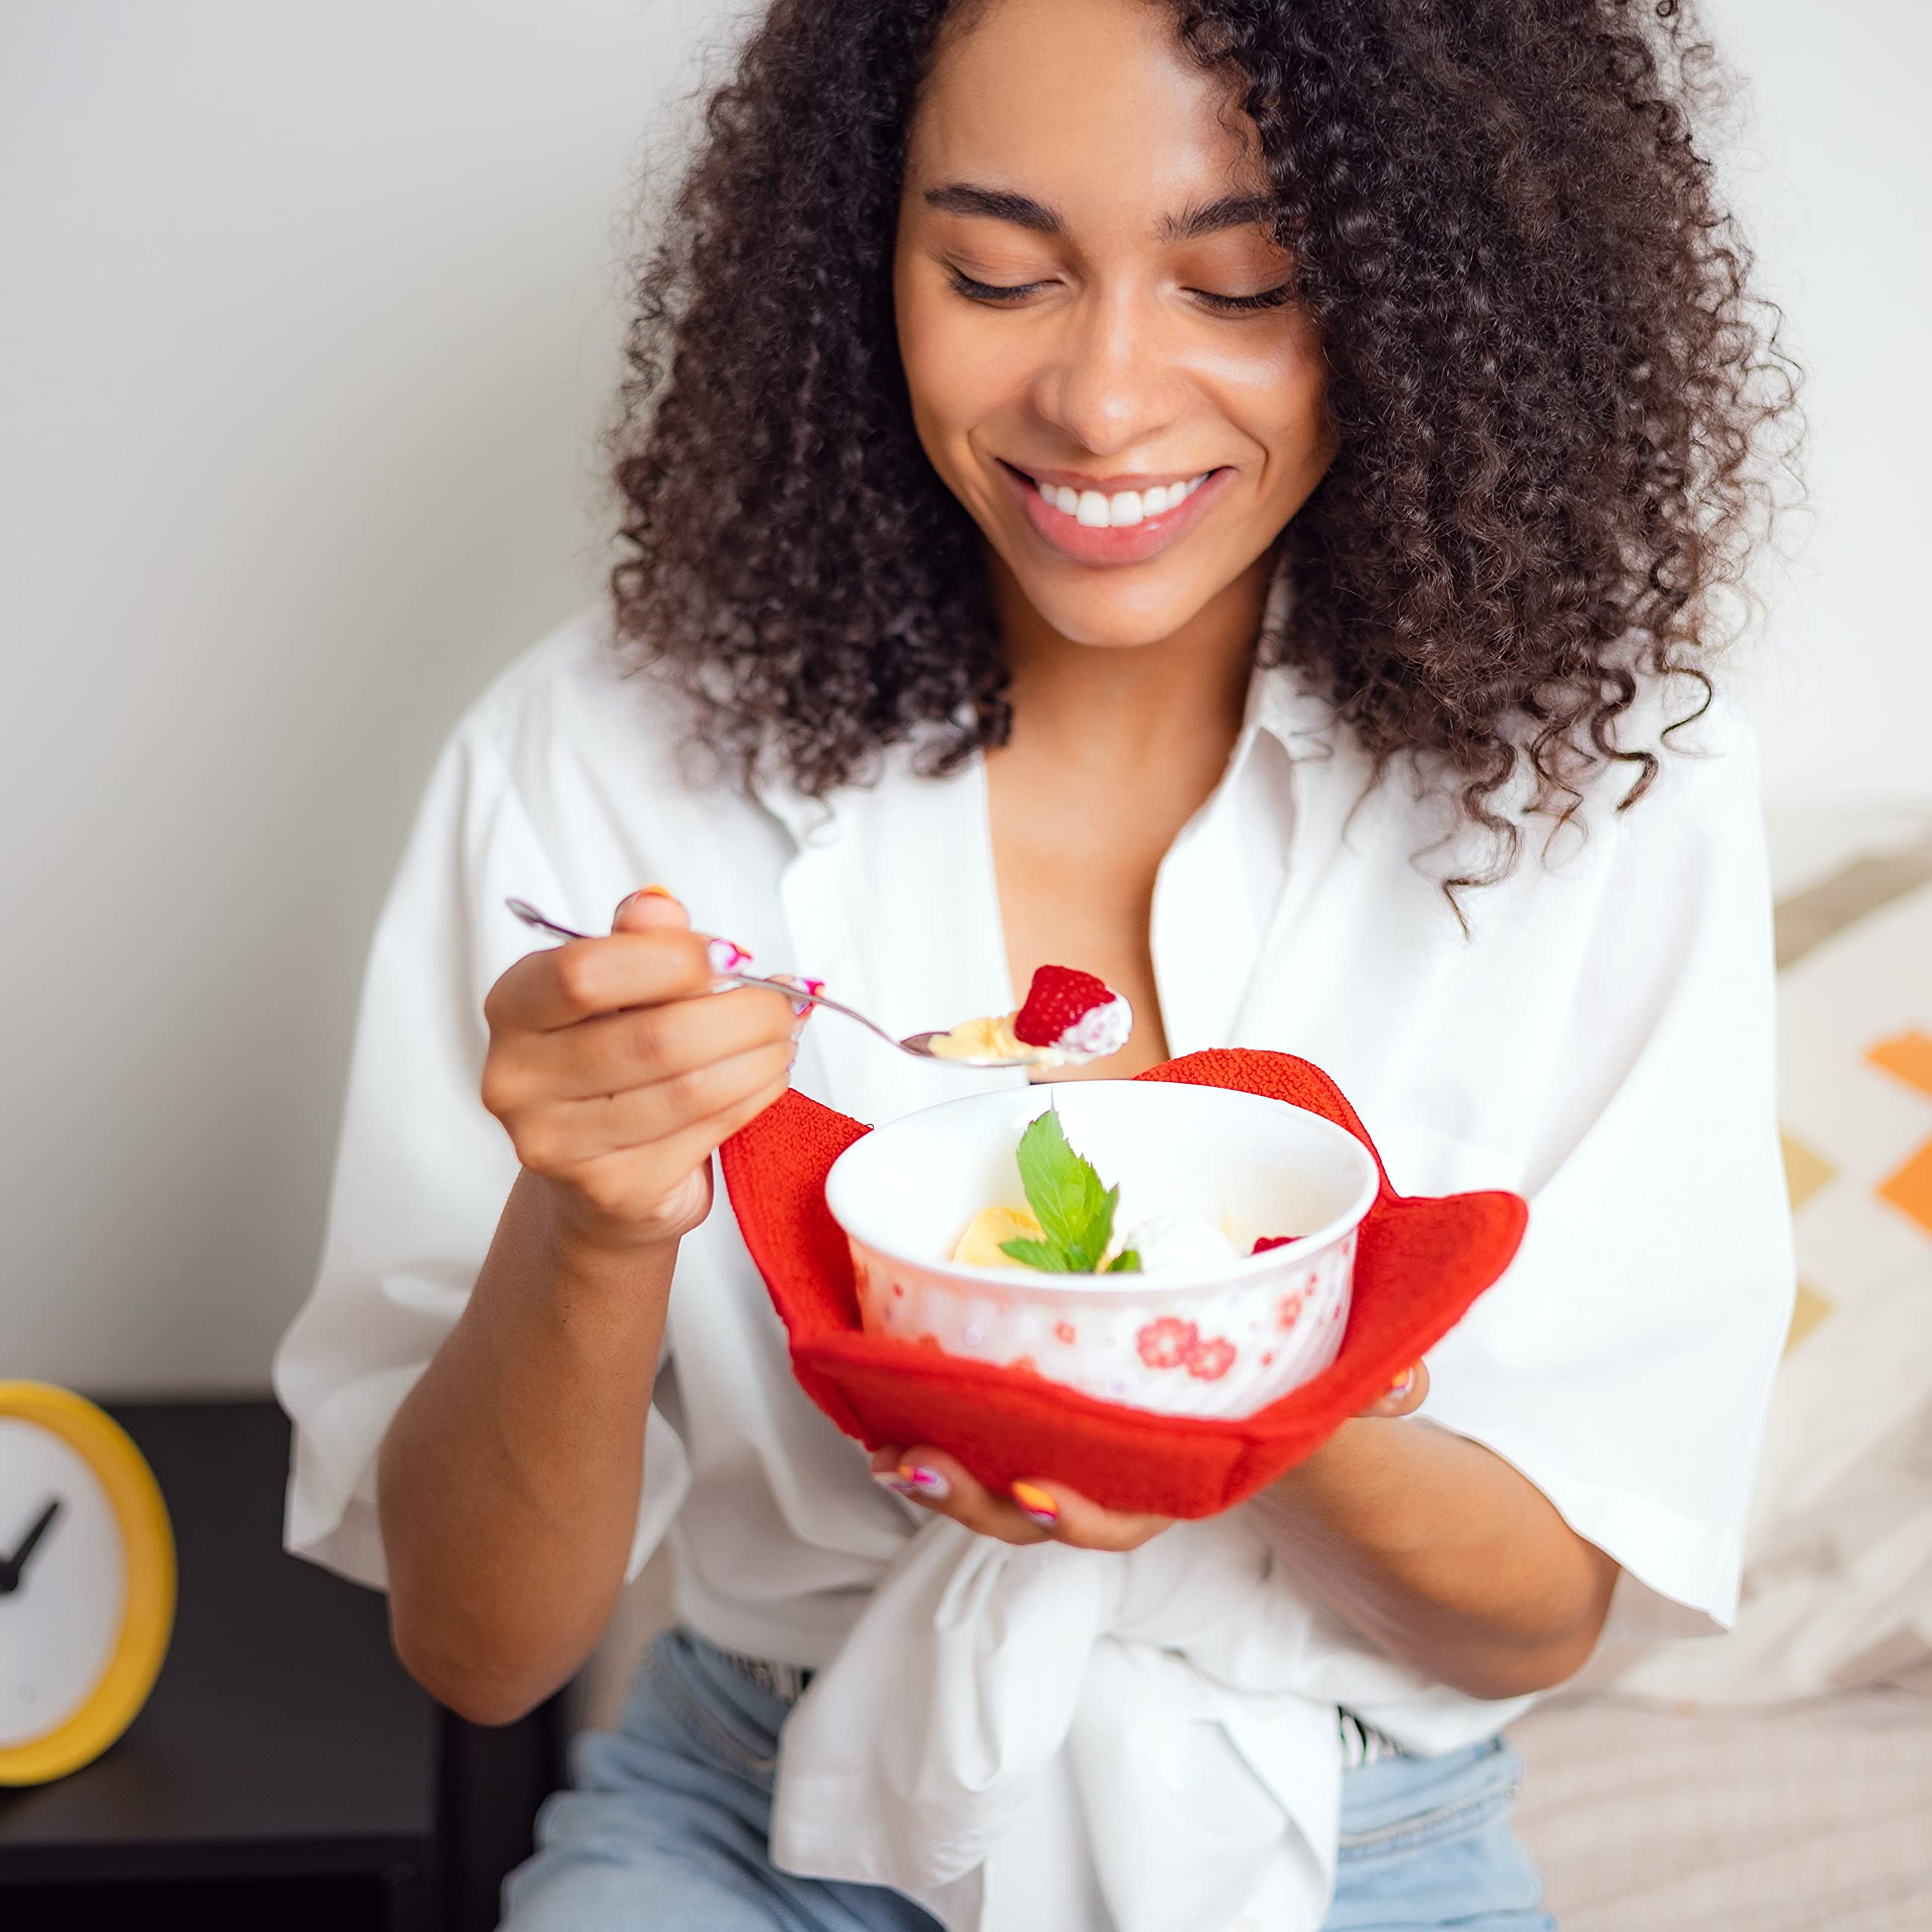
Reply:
x=1223, y=1343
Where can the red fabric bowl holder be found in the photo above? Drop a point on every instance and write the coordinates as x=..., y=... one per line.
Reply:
x=1420, y=1264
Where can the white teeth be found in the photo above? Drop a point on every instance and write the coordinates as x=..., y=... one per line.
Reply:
x=1125, y=507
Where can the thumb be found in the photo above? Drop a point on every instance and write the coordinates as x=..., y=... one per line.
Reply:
x=1405, y=1394
x=651, y=909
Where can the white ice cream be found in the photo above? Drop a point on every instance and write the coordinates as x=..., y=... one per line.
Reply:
x=1096, y=1035
x=1175, y=1245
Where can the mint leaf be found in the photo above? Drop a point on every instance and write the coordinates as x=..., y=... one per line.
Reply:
x=1127, y=1262
x=1075, y=1213
x=1085, y=1253
x=1037, y=1254
x=1063, y=1190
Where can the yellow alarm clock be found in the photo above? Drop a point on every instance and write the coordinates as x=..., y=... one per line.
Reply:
x=86, y=1582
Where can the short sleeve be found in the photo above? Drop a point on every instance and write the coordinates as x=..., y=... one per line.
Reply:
x=1624, y=1363
x=421, y=1169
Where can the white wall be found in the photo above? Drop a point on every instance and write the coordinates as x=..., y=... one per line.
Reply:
x=307, y=314
x=1832, y=171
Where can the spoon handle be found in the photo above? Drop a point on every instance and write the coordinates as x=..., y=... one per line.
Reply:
x=797, y=993
x=529, y=915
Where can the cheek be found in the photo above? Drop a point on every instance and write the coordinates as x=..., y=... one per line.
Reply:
x=959, y=373
x=1276, y=396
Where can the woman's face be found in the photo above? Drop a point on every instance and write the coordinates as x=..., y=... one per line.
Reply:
x=1069, y=151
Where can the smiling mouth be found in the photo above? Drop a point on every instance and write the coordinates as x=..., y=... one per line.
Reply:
x=1122, y=509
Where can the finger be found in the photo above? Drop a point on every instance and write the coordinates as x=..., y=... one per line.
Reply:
x=561, y=986
x=693, y=1145
x=657, y=909
x=802, y=1010
x=621, y=1183
x=1070, y=1517
x=665, y=1110
x=1406, y=1394
x=613, y=1052
x=942, y=1484
x=650, y=908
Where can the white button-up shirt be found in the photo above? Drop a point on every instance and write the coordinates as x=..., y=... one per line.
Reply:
x=1602, y=1043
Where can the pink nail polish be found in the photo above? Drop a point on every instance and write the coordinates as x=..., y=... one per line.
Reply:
x=726, y=956
x=927, y=1483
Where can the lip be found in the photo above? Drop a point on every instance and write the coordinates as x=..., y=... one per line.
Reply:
x=1134, y=543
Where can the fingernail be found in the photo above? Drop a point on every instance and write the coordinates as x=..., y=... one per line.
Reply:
x=1403, y=1383
x=725, y=956
x=1037, y=1503
x=914, y=1479
x=644, y=892
x=802, y=1009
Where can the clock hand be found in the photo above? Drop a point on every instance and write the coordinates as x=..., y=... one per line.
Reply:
x=14, y=1566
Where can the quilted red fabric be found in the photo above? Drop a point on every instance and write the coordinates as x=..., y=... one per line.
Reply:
x=1420, y=1264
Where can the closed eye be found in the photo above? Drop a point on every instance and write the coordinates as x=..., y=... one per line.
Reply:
x=1265, y=298
x=997, y=292
x=991, y=291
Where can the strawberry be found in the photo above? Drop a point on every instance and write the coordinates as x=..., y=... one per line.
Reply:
x=1267, y=1241
x=1056, y=1002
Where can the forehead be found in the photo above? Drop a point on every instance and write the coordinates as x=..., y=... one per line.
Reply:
x=1091, y=105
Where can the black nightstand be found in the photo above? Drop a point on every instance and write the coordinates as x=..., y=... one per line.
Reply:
x=287, y=1773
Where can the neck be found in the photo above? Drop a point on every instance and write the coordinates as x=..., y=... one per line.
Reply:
x=1130, y=703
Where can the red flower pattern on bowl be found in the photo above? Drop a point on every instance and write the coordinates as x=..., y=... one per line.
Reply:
x=1210, y=1361
x=1166, y=1343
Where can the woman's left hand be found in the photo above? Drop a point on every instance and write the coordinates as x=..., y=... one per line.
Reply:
x=1050, y=1512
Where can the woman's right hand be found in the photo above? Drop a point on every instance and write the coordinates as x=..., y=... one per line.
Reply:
x=617, y=1072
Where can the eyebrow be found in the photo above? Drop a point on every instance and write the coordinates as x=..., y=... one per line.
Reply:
x=1199, y=219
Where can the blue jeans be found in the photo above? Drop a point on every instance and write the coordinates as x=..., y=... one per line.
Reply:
x=666, y=1828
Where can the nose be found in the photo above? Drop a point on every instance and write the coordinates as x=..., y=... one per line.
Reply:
x=1109, y=382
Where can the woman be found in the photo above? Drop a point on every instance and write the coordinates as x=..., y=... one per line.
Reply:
x=1230, y=497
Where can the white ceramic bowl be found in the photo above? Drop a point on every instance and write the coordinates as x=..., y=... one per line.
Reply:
x=1222, y=1343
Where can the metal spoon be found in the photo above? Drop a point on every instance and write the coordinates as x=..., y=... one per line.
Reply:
x=919, y=1045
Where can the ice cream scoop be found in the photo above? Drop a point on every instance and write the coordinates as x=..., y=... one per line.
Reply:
x=1177, y=1245
x=1069, y=1018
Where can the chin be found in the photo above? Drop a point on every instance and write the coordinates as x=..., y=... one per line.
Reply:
x=1116, y=617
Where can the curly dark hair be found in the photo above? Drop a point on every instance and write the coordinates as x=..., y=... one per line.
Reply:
x=1550, y=378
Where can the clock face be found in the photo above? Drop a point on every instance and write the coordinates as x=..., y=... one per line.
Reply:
x=60, y=1623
